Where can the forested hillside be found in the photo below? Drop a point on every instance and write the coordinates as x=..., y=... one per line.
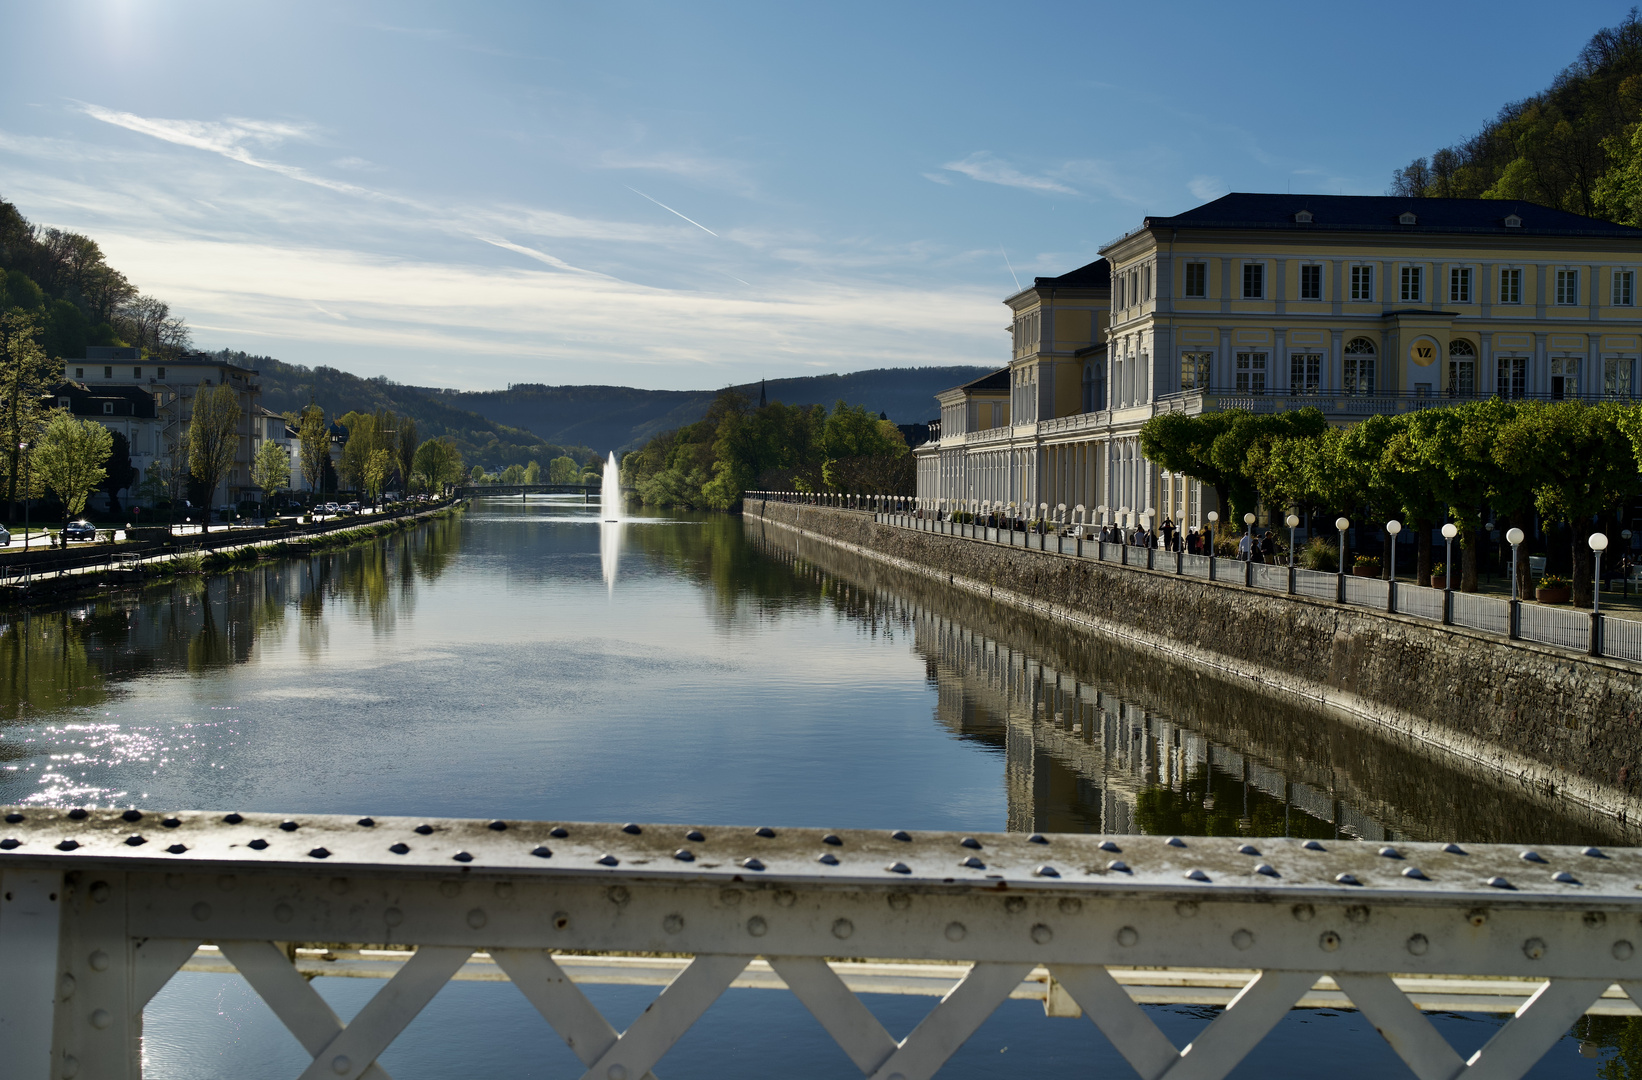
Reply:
x=287, y=388
x=620, y=417
x=1576, y=146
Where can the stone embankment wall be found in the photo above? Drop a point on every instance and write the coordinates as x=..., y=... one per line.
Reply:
x=1559, y=724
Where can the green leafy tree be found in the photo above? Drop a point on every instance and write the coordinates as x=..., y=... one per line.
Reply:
x=405, y=450
x=213, y=438
x=533, y=473
x=69, y=458
x=25, y=377
x=119, y=472
x=1185, y=444
x=514, y=474
x=271, y=468
x=314, y=441
x=378, y=467
x=439, y=462
x=562, y=470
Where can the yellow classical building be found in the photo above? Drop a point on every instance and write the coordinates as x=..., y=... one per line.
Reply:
x=1350, y=304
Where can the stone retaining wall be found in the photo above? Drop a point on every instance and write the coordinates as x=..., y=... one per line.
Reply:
x=1559, y=723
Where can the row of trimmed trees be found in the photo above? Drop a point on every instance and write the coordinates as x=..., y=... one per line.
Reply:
x=1574, y=465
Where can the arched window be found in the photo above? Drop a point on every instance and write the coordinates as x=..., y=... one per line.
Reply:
x=1462, y=368
x=1359, y=366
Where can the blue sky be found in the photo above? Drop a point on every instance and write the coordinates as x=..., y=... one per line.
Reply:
x=691, y=195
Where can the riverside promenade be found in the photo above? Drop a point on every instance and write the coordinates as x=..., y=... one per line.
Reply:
x=1555, y=722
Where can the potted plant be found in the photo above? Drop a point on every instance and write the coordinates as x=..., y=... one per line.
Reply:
x=1439, y=575
x=1366, y=566
x=1553, y=589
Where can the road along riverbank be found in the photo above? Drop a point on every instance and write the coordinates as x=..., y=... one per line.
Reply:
x=1552, y=723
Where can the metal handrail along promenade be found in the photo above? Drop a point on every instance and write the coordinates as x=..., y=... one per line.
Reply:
x=101, y=908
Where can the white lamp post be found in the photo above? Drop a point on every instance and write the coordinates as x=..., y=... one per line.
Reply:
x=1449, y=531
x=1293, y=522
x=1393, y=527
x=1514, y=537
x=1599, y=544
x=1214, y=519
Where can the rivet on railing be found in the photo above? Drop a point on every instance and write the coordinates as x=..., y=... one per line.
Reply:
x=477, y=918
x=902, y=835
x=972, y=862
x=684, y=855
x=1046, y=871
x=1196, y=875
x=1128, y=936
x=631, y=829
x=673, y=923
x=177, y=849
x=11, y=842
x=1390, y=853
x=98, y=961
x=607, y=860
x=842, y=928
x=956, y=931
x=828, y=858
x=1242, y=939
x=757, y=927
x=752, y=864
x=542, y=851
x=1499, y=883
x=1419, y=944
x=558, y=832
x=284, y=826
x=1329, y=941
x=1347, y=879
x=341, y=1065
x=1595, y=853
x=497, y=826
x=1042, y=934
x=1564, y=878
x=1533, y=948
x=898, y=868
x=764, y=831
x=1623, y=950
x=1312, y=845
x=1454, y=849
x=1531, y=856
x=129, y=815
x=255, y=845
x=67, y=845
x=832, y=839
x=1416, y=873
x=462, y=856
x=319, y=853
x=970, y=842
x=369, y=823
x=1175, y=841
x=1118, y=866
x=695, y=836
x=1037, y=838
x=1267, y=869
x=420, y=830
x=1247, y=849
x=77, y=814
x=172, y=823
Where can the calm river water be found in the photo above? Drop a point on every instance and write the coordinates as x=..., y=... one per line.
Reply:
x=523, y=660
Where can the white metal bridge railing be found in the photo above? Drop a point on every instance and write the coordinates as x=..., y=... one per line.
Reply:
x=100, y=908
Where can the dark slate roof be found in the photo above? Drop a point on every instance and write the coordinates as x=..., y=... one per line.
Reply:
x=85, y=400
x=1096, y=275
x=1380, y=213
x=998, y=380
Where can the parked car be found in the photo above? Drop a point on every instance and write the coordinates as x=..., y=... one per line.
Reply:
x=331, y=508
x=79, y=530
x=5, y=536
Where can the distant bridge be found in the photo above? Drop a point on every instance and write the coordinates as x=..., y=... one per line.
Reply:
x=493, y=491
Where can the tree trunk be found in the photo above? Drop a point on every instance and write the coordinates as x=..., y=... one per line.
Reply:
x=1422, y=553
x=1470, y=550
x=1581, y=554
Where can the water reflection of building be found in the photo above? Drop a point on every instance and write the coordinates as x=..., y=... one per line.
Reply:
x=1079, y=758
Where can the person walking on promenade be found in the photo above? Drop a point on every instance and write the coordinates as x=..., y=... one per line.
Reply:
x=1245, y=547
x=1168, y=533
x=1268, y=548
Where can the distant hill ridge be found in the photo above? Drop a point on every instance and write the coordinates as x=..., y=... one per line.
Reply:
x=622, y=417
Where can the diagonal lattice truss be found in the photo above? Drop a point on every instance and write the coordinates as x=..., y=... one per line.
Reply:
x=99, y=909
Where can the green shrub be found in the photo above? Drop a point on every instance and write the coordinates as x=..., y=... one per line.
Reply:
x=1322, y=554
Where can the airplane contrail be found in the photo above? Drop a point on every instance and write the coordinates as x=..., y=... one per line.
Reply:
x=1011, y=266
x=670, y=210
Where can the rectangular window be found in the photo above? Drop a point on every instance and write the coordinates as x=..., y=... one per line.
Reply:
x=1616, y=376
x=1624, y=288
x=1510, y=286
x=1197, y=280
x=79, y=373
x=1413, y=282
x=108, y=408
x=1564, y=377
x=1122, y=281
x=108, y=372
x=159, y=373
x=1194, y=370
x=1254, y=281
x=136, y=373
x=1459, y=285
x=1567, y=287
x=1513, y=376
x=1462, y=376
x=1145, y=285
x=1311, y=282
x=1305, y=373
x=1251, y=372
x=1362, y=283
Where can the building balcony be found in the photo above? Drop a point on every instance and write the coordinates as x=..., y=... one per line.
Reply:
x=1346, y=405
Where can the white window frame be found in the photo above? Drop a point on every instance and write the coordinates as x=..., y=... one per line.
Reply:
x=1510, y=286
x=1301, y=282
x=1309, y=367
x=1461, y=283
x=1362, y=283
x=1624, y=287
x=1566, y=293
x=1246, y=365
x=1259, y=266
x=1202, y=366
x=1411, y=288
x=1617, y=375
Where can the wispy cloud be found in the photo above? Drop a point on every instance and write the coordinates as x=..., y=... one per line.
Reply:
x=937, y=178
x=1206, y=187
x=670, y=210
x=704, y=169
x=539, y=256
x=987, y=168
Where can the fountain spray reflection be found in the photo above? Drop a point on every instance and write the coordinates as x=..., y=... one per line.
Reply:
x=610, y=524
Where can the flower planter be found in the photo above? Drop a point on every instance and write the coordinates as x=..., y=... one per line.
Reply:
x=1365, y=571
x=1438, y=581
x=1557, y=594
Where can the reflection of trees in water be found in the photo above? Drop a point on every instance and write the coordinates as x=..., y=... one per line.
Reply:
x=75, y=657
x=718, y=556
x=1066, y=690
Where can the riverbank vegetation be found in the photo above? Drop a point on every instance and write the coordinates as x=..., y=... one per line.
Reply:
x=1571, y=465
x=739, y=447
